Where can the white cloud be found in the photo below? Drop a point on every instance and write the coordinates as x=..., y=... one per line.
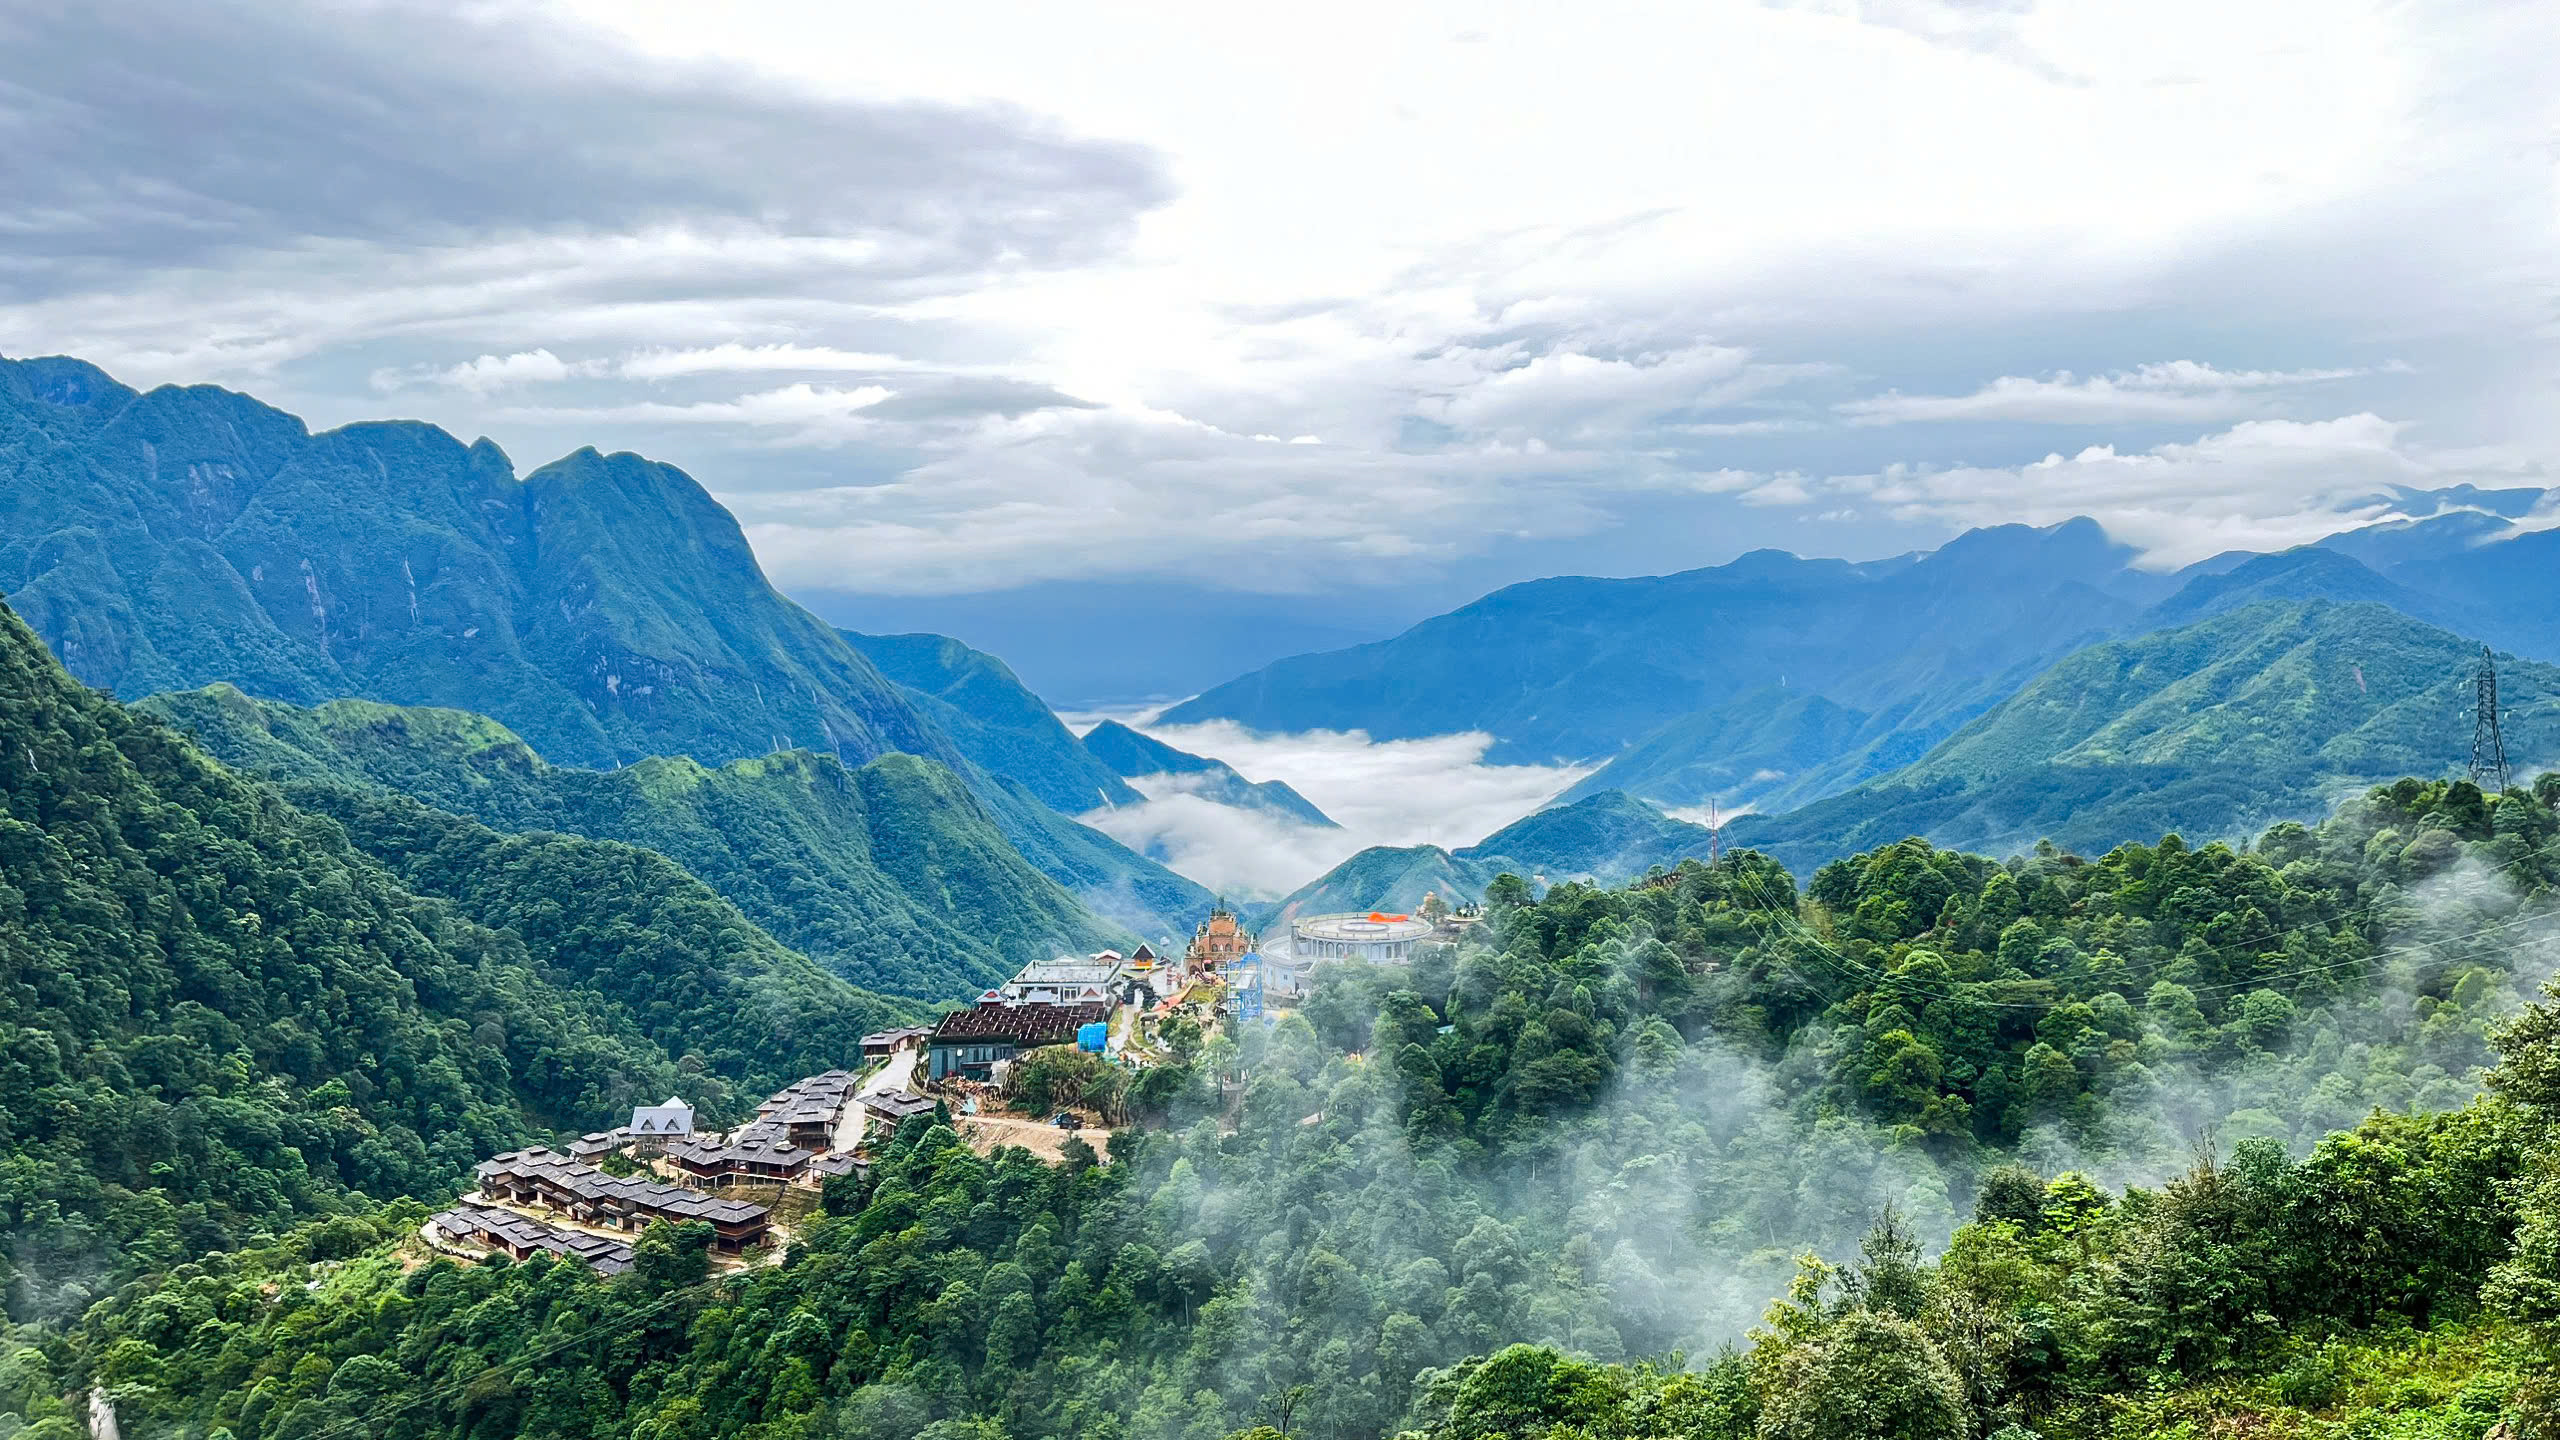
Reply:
x=1603, y=262
x=487, y=374
x=1436, y=791
x=2260, y=485
x=810, y=414
x=2174, y=390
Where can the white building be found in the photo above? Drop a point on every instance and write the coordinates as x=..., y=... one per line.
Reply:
x=1374, y=937
x=1094, y=981
x=652, y=1126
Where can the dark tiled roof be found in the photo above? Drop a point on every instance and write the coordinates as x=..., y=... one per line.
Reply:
x=712, y=1154
x=488, y=1225
x=585, y=1182
x=898, y=1104
x=843, y=1162
x=1023, y=1025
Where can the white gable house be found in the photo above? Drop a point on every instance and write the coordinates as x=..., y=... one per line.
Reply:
x=652, y=1126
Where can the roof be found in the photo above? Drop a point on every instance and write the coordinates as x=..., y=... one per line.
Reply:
x=488, y=1223
x=1023, y=1025
x=673, y=1118
x=811, y=1100
x=586, y=1182
x=742, y=1149
x=843, y=1162
x=893, y=1037
x=1066, y=972
x=898, y=1104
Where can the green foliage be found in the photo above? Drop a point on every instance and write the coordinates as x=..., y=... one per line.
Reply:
x=218, y=1016
x=2214, y=729
x=893, y=874
x=1467, y=1197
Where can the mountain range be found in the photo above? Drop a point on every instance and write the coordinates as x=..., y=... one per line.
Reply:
x=603, y=607
x=1605, y=839
x=591, y=649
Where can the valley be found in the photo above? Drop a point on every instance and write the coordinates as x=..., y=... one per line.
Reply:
x=2104, y=992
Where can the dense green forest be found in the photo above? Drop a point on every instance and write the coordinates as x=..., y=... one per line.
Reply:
x=221, y=1016
x=892, y=872
x=2178, y=1140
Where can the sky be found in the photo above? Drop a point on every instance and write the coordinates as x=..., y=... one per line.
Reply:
x=1220, y=332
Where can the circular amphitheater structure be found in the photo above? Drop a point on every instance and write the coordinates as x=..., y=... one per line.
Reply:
x=1374, y=936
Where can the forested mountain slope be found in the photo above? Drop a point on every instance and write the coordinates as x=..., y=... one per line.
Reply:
x=603, y=606
x=995, y=720
x=2211, y=730
x=222, y=1017
x=892, y=874
x=1602, y=1129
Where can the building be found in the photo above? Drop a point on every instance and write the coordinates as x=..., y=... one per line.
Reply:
x=1375, y=937
x=892, y=1107
x=1096, y=981
x=1220, y=940
x=652, y=1126
x=522, y=1237
x=596, y=1144
x=881, y=1044
x=542, y=1176
x=709, y=1161
x=1147, y=966
x=972, y=1042
x=809, y=1111
x=843, y=1162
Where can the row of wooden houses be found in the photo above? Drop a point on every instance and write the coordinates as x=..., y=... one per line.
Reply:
x=521, y=1237
x=543, y=1176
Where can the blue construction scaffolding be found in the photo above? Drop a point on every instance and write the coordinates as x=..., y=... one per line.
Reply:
x=1244, y=986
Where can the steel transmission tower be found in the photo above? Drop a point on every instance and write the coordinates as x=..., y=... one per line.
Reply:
x=2488, y=746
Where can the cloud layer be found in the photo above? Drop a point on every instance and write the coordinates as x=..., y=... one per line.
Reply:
x=1338, y=303
x=1437, y=791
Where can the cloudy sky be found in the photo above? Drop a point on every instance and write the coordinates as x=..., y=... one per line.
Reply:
x=1312, y=322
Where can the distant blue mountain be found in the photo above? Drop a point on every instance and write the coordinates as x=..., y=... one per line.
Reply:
x=1130, y=753
x=1579, y=668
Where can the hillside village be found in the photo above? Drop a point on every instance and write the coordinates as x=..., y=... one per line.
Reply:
x=752, y=1183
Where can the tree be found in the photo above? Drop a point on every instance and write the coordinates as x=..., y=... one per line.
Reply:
x=1866, y=1377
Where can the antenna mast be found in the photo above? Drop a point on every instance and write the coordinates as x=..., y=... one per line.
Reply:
x=1715, y=834
x=2488, y=746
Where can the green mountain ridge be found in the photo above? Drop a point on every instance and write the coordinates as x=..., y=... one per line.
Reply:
x=2266, y=712
x=995, y=719
x=892, y=874
x=222, y=1017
